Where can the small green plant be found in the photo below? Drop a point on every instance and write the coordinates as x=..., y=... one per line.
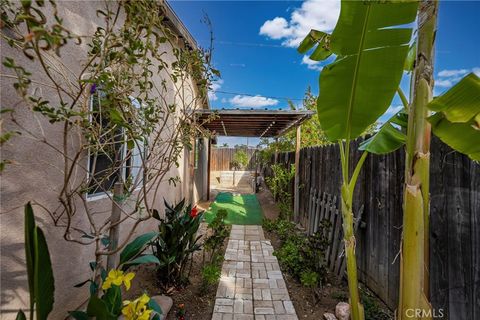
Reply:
x=177, y=241
x=285, y=229
x=268, y=225
x=210, y=276
x=309, y=279
x=279, y=184
x=219, y=231
x=240, y=160
x=373, y=311
x=290, y=256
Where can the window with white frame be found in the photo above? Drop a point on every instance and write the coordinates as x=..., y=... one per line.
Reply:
x=116, y=160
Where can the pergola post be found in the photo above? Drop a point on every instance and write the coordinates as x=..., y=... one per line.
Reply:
x=209, y=167
x=275, y=160
x=296, y=189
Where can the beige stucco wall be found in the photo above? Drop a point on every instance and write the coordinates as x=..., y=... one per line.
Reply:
x=35, y=176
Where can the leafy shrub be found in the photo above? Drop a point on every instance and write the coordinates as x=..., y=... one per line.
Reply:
x=240, y=160
x=285, y=229
x=300, y=255
x=268, y=225
x=290, y=256
x=219, y=231
x=177, y=241
x=279, y=184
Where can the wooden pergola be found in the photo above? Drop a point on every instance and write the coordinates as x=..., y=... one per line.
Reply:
x=256, y=123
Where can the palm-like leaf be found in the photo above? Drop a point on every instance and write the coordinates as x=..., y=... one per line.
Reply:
x=457, y=121
x=371, y=48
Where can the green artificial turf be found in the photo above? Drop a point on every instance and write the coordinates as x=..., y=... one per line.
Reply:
x=242, y=209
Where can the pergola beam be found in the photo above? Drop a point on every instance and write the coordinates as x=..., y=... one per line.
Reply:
x=252, y=123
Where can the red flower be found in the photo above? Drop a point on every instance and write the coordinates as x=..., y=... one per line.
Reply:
x=194, y=212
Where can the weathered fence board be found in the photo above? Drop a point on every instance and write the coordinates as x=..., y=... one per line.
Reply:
x=221, y=159
x=454, y=223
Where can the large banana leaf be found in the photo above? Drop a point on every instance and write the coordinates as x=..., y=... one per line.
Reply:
x=457, y=121
x=462, y=137
x=389, y=138
x=462, y=102
x=319, y=38
x=371, y=45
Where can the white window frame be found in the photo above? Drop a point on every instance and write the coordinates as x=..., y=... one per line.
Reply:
x=105, y=194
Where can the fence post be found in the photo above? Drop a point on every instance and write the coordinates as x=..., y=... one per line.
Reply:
x=296, y=191
x=114, y=218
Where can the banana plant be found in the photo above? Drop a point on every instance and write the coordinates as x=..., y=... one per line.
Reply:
x=456, y=122
x=370, y=43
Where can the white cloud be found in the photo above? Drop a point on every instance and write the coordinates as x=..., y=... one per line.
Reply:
x=452, y=73
x=313, y=14
x=311, y=64
x=276, y=29
x=443, y=83
x=239, y=65
x=253, y=101
x=447, y=78
x=214, y=87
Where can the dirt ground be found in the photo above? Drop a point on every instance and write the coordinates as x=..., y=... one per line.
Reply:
x=197, y=306
x=302, y=297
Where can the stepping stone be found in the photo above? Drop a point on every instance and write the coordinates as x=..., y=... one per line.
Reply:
x=252, y=285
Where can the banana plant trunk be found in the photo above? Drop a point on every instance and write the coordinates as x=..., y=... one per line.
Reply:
x=348, y=187
x=350, y=242
x=414, y=265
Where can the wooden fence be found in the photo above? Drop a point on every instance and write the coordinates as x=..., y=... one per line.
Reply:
x=454, y=223
x=221, y=159
x=323, y=206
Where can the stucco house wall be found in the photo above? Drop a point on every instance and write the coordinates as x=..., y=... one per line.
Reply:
x=35, y=176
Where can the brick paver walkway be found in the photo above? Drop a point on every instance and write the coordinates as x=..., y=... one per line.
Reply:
x=252, y=285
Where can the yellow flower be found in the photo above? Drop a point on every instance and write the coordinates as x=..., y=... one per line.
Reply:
x=117, y=277
x=127, y=278
x=137, y=309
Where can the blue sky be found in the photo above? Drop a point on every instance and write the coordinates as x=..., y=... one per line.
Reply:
x=255, y=48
